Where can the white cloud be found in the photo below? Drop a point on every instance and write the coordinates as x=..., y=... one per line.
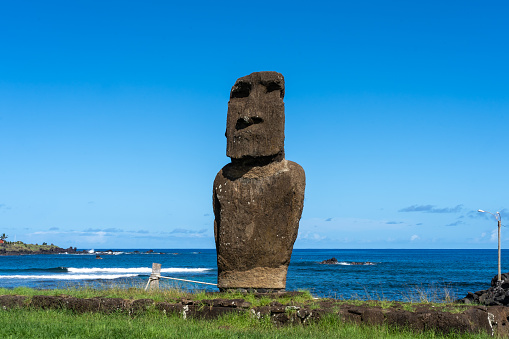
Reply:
x=494, y=235
x=312, y=236
x=414, y=237
x=189, y=233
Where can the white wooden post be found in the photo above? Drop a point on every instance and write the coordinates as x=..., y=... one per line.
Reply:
x=153, y=280
x=154, y=277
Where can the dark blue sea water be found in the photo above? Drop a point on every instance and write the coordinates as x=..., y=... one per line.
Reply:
x=395, y=275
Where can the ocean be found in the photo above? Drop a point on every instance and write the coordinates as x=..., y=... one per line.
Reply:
x=404, y=275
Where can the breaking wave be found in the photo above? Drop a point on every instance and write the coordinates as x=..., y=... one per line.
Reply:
x=59, y=269
x=137, y=270
x=92, y=273
x=356, y=263
x=68, y=276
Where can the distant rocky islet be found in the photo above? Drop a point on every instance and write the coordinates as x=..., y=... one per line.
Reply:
x=334, y=261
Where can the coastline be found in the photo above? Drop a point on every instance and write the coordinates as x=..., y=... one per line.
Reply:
x=20, y=248
x=398, y=275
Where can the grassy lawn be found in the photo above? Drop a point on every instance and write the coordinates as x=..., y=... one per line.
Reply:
x=26, y=323
x=39, y=323
x=174, y=295
x=167, y=294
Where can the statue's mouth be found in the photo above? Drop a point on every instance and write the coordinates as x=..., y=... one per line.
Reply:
x=245, y=122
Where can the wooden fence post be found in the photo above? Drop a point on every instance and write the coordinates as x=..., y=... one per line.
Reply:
x=153, y=280
x=154, y=277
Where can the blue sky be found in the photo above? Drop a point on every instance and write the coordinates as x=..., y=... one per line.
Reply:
x=112, y=118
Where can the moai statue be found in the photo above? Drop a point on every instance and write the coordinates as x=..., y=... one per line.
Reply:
x=259, y=196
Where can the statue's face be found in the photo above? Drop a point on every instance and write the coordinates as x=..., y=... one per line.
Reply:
x=255, y=125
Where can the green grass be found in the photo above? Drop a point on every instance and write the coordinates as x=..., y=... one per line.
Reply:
x=22, y=247
x=170, y=294
x=36, y=323
x=430, y=294
x=441, y=297
x=109, y=292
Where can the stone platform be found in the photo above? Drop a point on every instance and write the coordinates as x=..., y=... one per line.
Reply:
x=416, y=317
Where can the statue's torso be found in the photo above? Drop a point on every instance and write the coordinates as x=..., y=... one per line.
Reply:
x=257, y=212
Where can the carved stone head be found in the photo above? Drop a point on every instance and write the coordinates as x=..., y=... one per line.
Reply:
x=255, y=126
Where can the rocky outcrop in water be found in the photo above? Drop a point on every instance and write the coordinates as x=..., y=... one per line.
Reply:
x=331, y=261
x=334, y=261
x=258, y=197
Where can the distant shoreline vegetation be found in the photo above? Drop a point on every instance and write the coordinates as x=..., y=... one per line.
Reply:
x=20, y=248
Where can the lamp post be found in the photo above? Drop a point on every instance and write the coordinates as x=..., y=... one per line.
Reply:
x=499, y=220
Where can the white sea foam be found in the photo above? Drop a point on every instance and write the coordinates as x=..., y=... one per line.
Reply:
x=108, y=252
x=137, y=270
x=68, y=276
x=357, y=264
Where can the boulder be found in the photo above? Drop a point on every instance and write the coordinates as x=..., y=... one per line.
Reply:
x=504, y=279
x=496, y=295
x=12, y=301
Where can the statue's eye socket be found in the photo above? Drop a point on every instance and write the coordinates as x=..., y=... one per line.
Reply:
x=272, y=86
x=241, y=90
x=245, y=122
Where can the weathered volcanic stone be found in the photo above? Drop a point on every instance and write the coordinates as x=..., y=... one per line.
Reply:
x=496, y=295
x=255, y=125
x=258, y=197
x=331, y=261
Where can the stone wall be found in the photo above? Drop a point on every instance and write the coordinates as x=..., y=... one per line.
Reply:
x=472, y=319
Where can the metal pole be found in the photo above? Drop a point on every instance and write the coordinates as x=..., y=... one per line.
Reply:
x=499, y=220
x=499, y=252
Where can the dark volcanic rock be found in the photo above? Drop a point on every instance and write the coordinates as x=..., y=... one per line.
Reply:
x=331, y=261
x=258, y=197
x=141, y=305
x=239, y=303
x=504, y=279
x=169, y=308
x=12, y=301
x=82, y=305
x=492, y=320
x=47, y=302
x=112, y=305
x=200, y=312
x=334, y=261
x=255, y=125
x=496, y=295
